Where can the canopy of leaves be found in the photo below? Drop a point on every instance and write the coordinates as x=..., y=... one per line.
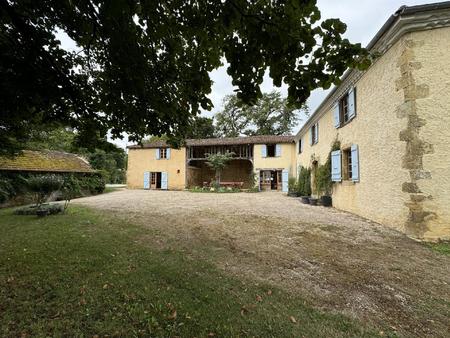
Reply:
x=202, y=127
x=270, y=115
x=143, y=66
x=218, y=162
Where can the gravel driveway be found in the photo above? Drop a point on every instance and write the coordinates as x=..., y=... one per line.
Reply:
x=336, y=260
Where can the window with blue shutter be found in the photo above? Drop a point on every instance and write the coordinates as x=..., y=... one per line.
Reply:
x=314, y=134
x=146, y=180
x=337, y=115
x=336, y=166
x=284, y=180
x=264, y=150
x=355, y=163
x=278, y=150
x=164, y=180
x=168, y=153
x=157, y=153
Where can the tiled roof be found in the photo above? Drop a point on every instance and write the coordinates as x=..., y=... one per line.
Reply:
x=261, y=139
x=46, y=161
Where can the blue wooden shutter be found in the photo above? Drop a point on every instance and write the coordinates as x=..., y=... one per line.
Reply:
x=337, y=115
x=168, y=153
x=317, y=132
x=146, y=180
x=284, y=180
x=158, y=153
x=355, y=163
x=278, y=150
x=164, y=180
x=264, y=150
x=311, y=136
x=351, y=103
x=336, y=175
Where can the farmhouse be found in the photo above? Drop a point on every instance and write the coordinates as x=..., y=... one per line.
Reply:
x=271, y=159
x=387, y=130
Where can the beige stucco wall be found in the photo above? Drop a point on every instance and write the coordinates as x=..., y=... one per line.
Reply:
x=431, y=51
x=375, y=129
x=388, y=159
x=142, y=160
x=287, y=160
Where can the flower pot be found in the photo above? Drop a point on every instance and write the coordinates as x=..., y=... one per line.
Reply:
x=305, y=199
x=313, y=201
x=326, y=201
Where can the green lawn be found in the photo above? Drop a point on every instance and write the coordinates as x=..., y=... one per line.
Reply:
x=85, y=273
x=442, y=247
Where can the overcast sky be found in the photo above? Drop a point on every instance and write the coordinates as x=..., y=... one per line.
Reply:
x=363, y=18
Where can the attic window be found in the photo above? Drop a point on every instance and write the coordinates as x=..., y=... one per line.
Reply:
x=270, y=150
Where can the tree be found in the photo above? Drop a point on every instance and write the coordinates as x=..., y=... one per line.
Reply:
x=233, y=119
x=142, y=67
x=202, y=127
x=270, y=115
x=218, y=162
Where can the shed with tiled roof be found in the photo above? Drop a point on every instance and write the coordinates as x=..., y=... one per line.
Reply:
x=46, y=161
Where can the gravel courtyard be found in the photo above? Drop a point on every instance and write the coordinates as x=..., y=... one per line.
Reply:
x=335, y=260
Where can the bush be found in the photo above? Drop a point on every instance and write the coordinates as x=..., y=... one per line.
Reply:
x=44, y=185
x=45, y=209
x=304, y=182
x=92, y=184
x=292, y=184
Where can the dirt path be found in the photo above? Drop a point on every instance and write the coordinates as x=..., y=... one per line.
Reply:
x=336, y=260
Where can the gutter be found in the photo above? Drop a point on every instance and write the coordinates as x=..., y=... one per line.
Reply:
x=402, y=11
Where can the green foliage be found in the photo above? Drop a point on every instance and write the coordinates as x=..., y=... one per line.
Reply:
x=304, y=182
x=43, y=209
x=144, y=67
x=201, y=127
x=94, y=184
x=324, y=184
x=215, y=189
x=218, y=162
x=292, y=184
x=43, y=186
x=70, y=189
x=441, y=247
x=270, y=115
x=110, y=164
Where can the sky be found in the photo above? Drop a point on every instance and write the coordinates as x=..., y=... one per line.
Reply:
x=363, y=18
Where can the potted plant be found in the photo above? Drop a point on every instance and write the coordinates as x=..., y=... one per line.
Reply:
x=304, y=184
x=292, y=187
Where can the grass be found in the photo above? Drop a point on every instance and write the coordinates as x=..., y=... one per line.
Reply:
x=110, y=189
x=86, y=273
x=441, y=247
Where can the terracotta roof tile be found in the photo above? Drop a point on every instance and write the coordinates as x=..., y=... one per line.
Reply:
x=261, y=139
x=46, y=161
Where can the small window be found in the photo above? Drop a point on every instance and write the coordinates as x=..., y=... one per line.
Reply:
x=163, y=153
x=300, y=146
x=344, y=111
x=270, y=150
x=314, y=134
x=347, y=164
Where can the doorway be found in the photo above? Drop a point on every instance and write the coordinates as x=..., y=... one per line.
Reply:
x=155, y=181
x=270, y=180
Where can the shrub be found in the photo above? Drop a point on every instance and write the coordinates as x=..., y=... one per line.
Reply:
x=43, y=186
x=70, y=189
x=93, y=184
x=292, y=184
x=47, y=209
x=304, y=182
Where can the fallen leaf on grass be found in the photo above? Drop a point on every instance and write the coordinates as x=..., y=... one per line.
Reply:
x=258, y=298
x=292, y=319
x=269, y=292
x=173, y=316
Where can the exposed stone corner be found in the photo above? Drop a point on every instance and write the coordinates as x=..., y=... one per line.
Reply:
x=416, y=224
